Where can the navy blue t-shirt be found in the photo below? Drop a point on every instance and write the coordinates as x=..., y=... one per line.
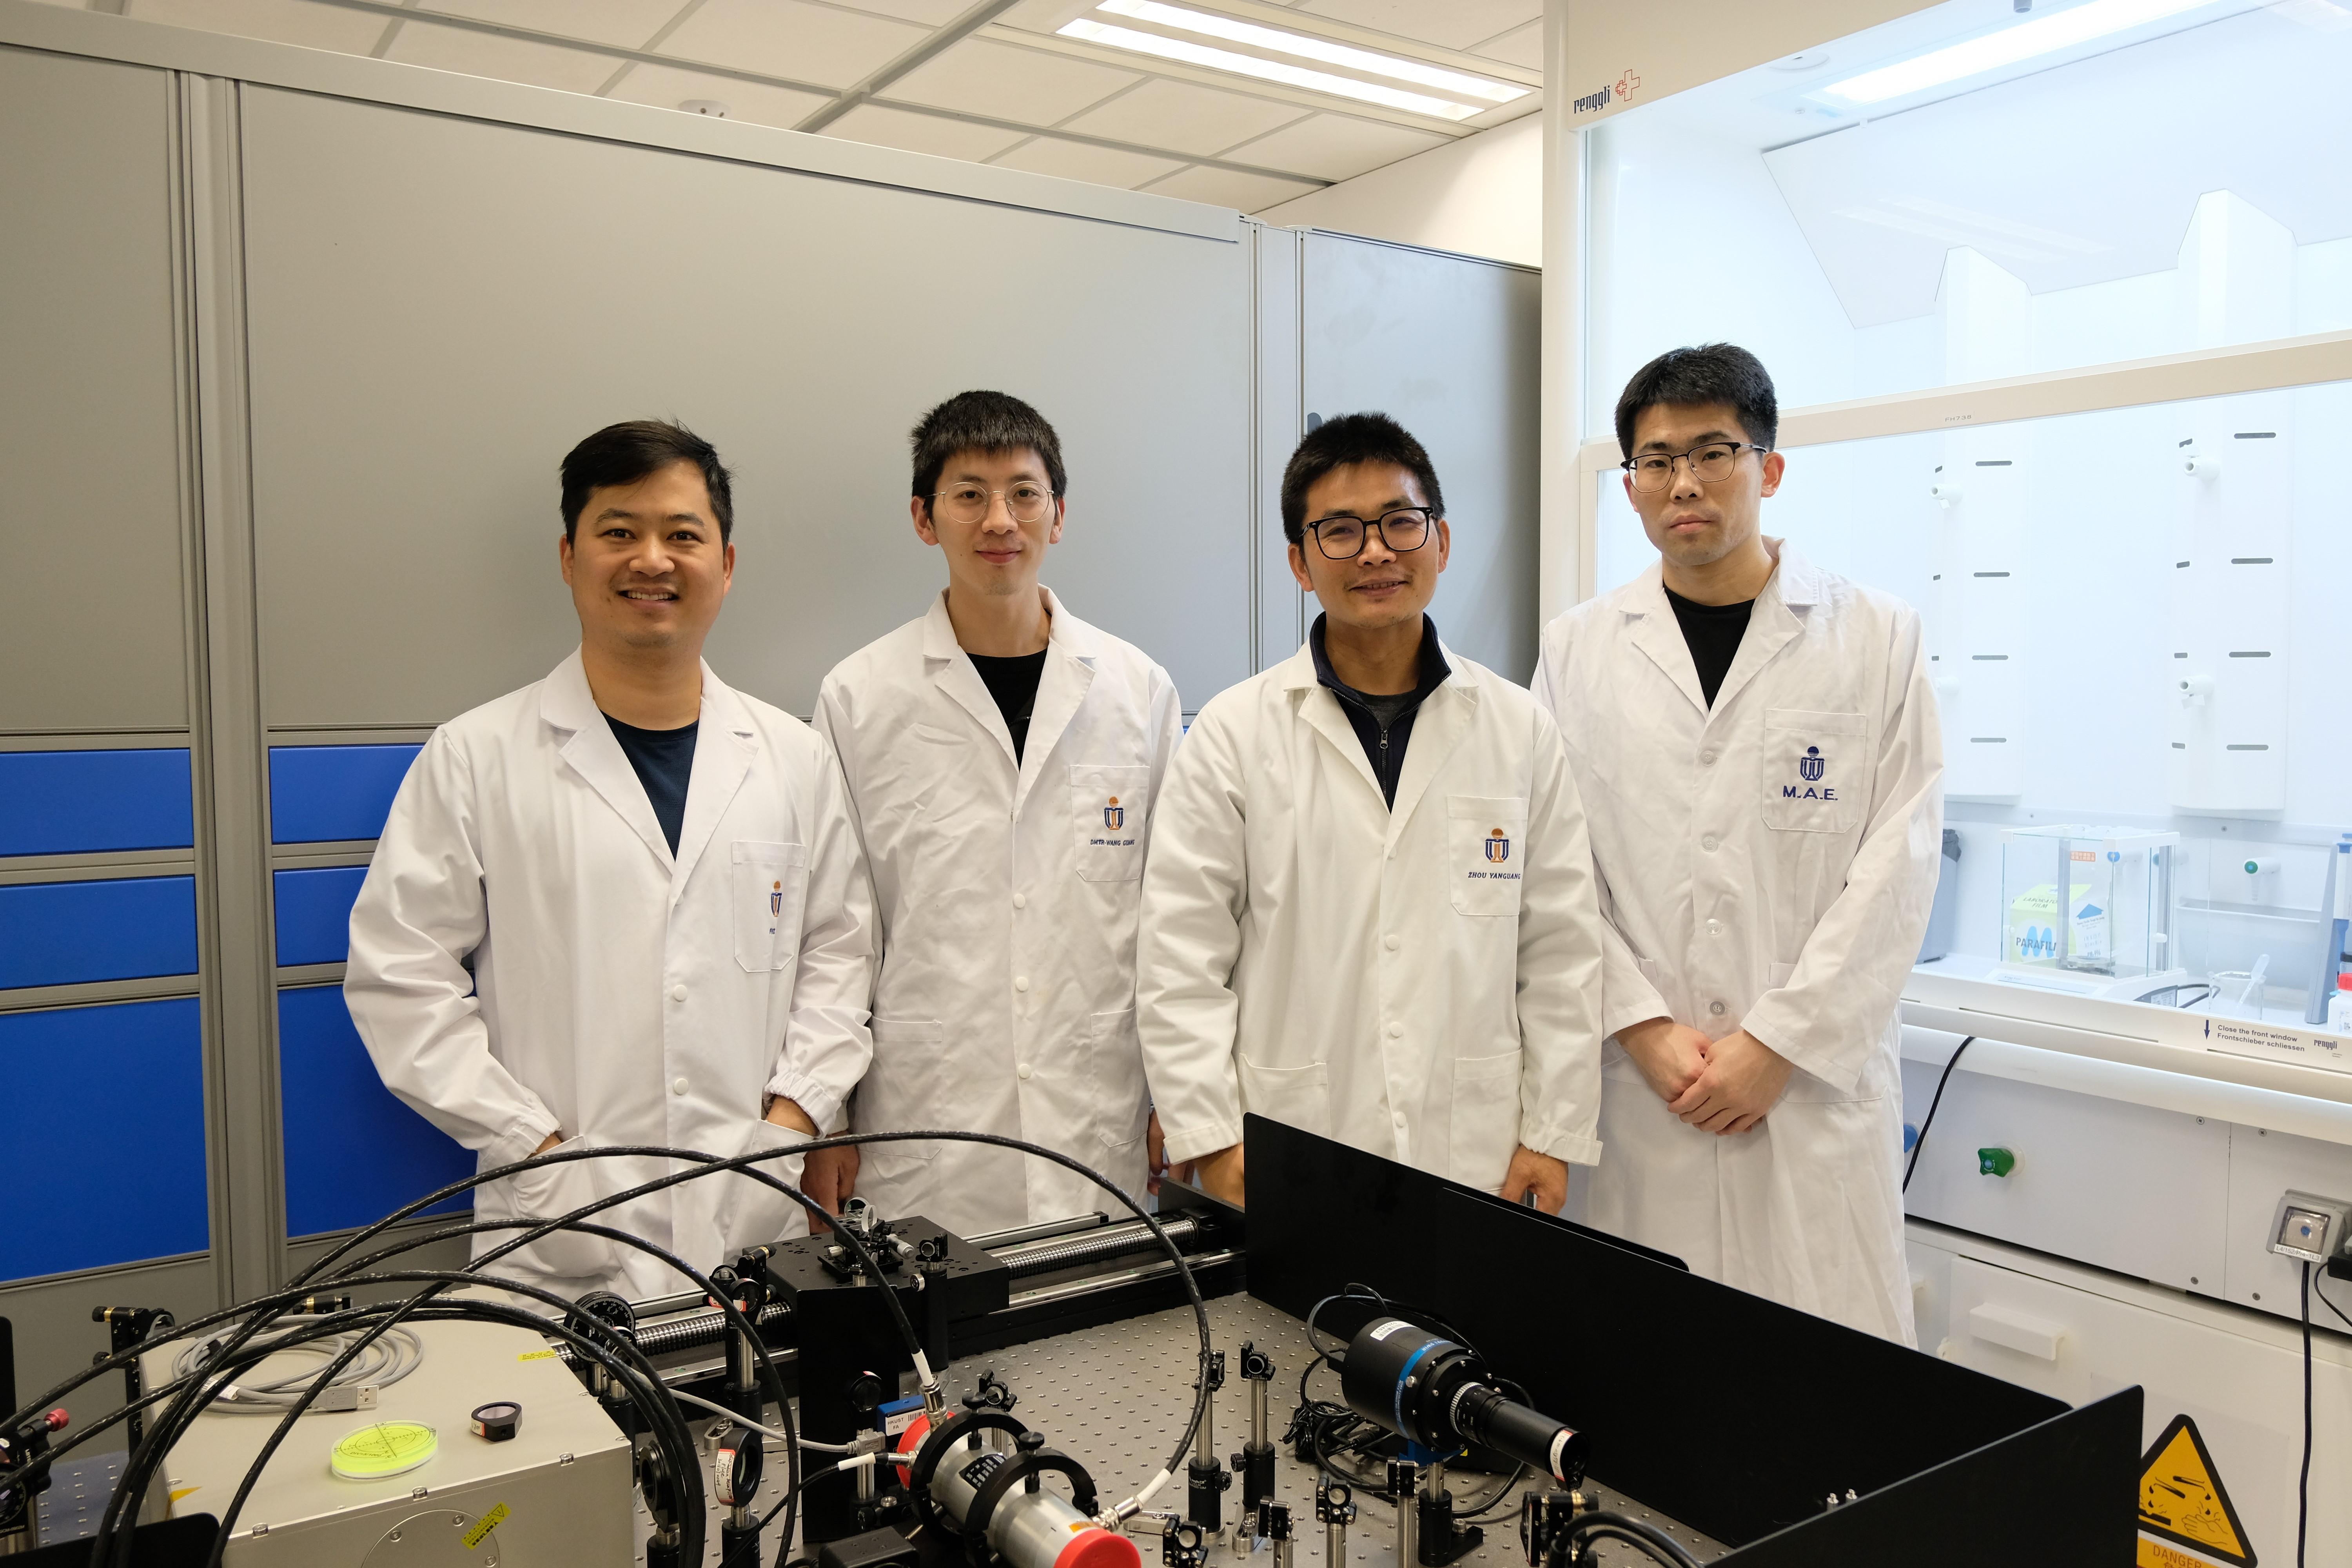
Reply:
x=664, y=759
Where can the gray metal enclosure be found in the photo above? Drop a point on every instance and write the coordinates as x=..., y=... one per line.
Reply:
x=294, y=342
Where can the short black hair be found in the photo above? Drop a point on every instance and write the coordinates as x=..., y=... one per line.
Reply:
x=625, y=453
x=1711, y=372
x=983, y=422
x=1342, y=441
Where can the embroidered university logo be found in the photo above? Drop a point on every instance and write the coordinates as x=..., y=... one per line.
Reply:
x=1114, y=815
x=1499, y=849
x=1812, y=765
x=776, y=901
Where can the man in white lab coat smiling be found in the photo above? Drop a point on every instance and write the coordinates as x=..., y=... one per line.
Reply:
x=1369, y=907
x=1004, y=759
x=622, y=905
x=1758, y=745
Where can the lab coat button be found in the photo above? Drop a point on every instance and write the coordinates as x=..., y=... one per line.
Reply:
x=677, y=993
x=1708, y=843
x=1715, y=927
x=1024, y=1072
x=1716, y=1008
x=1707, y=758
x=1396, y=1031
x=1021, y=983
x=677, y=1086
x=1393, y=945
x=1020, y=900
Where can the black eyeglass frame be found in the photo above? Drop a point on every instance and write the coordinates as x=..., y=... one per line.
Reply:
x=1674, y=457
x=1430, y=518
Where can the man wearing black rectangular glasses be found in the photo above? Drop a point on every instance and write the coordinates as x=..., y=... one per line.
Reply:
x=1369, y=909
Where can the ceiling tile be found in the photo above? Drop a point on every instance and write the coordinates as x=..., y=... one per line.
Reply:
x=922, y=132
x=1045, y=16
x=281, y=21
x=1520, y=47
x=1222, y=187
x=1334, y=146
x=666, y=86
x=628, y=23
x=1009, y=83
x=1188, y=119
x=929, y=13
x=787, y=38
x=1449, y=23
x=1077, y=161
x=421, y=43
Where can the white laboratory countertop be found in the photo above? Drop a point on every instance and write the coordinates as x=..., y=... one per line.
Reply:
x=2270, y=1073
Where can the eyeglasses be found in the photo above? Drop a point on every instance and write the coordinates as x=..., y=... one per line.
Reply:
x=1342, y=538
x=967, y=501
x=1709, y=465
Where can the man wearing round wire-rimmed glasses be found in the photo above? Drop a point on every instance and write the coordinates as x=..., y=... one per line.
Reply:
x=1759, y=753
x=1368, y=910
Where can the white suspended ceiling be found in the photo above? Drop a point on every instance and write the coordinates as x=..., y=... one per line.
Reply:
x=990, y=83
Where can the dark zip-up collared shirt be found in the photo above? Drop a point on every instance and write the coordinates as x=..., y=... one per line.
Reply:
x=1384, y=724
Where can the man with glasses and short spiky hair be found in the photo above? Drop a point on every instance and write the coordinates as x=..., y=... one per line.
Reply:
x=1369, y=907
x=1758, y=749
x=1003, y=760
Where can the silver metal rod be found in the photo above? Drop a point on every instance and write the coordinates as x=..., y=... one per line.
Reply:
x=1204, y=1441
x=1257, y=1414
x=1037, y=1257
x=992, y=1240
x=1069, y=1287
x=1335, y=1544
x=1408, y=1527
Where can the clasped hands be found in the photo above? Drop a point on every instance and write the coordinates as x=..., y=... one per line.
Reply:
x=1716, y=1086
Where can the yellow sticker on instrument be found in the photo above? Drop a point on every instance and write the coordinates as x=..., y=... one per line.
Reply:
x=536, y=1355
x=483, y=1526
x=2182, y=1501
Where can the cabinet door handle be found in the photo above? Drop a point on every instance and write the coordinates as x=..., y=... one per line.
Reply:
x=2016, y=1330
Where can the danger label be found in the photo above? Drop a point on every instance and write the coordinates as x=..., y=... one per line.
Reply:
x=2182, y=1502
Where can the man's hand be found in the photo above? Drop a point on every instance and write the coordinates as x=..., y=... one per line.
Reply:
x=1155, y=1149
x=550, y=1141
x=1541, y=1174
x=829, y=1176
x=1743, y=1078
x=1670, y=1055
x=787, y=1113
x=1220, y=1175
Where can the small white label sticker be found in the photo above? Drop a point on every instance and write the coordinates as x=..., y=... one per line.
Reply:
x=1391, y=1326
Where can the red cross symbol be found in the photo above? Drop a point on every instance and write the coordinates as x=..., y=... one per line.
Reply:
x=1627, y=83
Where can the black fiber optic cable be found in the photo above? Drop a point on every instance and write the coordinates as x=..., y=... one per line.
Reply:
x=2302, y=1487
x=191, y=1394
x=1929, y=1120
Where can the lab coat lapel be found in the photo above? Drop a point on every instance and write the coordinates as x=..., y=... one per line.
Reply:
x=1773, y=624
x=1320, y=709
x=723, y=750
x=566, y=703
x=1061, y=689
x=958, y=678
x=1445, y=718
x=1659, y=635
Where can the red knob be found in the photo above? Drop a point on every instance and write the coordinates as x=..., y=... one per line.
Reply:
x=56, y=1420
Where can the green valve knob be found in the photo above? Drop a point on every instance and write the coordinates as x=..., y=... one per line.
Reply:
x=1995, y=1162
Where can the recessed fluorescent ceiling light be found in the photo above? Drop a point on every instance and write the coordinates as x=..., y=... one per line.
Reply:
x=1976, y=56
x=1315, y=48
x=1277, y=70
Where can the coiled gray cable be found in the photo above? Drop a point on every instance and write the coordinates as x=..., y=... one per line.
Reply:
x=384, y=1362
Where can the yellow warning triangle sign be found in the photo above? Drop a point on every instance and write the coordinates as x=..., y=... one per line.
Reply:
x=2182, y=1500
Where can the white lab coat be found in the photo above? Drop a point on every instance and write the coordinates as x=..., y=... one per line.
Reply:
x=1768, y=865
x=1422, y=982
x=616, y=993
x=1007, y=897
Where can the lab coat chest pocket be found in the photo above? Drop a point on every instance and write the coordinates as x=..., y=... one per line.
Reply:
x=1112, y=810
x=771, y=884
x=1816, y=770
x=1487, y=844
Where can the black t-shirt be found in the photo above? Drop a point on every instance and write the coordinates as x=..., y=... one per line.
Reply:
x=1014, y=683
x=664, y=759
x=1713, y=633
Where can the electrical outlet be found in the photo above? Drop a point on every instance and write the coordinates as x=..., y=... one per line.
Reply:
x=2310, y=1228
